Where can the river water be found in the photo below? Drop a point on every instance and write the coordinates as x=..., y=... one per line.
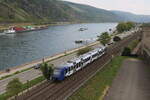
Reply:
x=20, y=48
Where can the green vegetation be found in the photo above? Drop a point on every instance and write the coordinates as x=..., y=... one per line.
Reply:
x=25, y=86
x=93, y=89
x=51, y=11
x=126, y=51
x=83, y=51
x=133, y=44
x=124, y=26
x=116, y=39
x=104, y=38
x=14, y=87
x=47, y=70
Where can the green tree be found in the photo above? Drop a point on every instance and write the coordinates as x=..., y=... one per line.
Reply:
x=130, y=25
x=14, y=86
x=47, y=70
x=104, y=38
x=121, y=27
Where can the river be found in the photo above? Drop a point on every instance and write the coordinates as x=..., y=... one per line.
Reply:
x=20, y=48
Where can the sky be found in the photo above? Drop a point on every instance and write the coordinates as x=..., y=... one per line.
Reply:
x=134, y=6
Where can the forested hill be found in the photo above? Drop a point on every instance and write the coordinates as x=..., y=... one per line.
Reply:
x=53, y=11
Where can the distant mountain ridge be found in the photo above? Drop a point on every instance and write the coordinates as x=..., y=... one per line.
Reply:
x=126, y=16
x=60, y=11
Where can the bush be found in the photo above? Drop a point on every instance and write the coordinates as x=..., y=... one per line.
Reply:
x=126, y=51
x=116, y=39
x=83, y=51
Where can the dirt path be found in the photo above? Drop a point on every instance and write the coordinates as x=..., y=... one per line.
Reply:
x=131, y=83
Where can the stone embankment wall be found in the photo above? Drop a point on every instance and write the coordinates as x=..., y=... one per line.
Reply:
x=145, y=47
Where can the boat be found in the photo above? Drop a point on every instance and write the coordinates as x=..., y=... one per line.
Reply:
x=24, y=29
x=83, y=29
x=9, y=31
x=79, y=41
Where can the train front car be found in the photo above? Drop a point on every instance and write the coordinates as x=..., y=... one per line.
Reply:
x=59, y=74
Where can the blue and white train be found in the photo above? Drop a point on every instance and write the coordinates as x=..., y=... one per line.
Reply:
x=77, y=64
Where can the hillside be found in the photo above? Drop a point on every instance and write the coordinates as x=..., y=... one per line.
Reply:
x=57, y=11
x=51, y=11
x=126, y=16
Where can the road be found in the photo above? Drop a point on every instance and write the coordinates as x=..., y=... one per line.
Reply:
x=32, y=74
x=131, y=83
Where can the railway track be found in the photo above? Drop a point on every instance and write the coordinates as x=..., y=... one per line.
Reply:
x=59, y=91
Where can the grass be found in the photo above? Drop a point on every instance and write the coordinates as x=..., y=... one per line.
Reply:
x=95, y=87
x=25, y=86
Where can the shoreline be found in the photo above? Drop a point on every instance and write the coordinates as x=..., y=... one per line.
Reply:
x=29, y=65
x=7, y=26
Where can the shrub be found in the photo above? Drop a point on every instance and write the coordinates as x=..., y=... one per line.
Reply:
x=126, y=51
x=116, y=39
x=14, y=87
x=83, y=51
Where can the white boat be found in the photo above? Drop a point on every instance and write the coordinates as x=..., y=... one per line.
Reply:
x=83, y=29
x=9, y=31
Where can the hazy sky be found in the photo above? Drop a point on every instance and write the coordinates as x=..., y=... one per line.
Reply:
x=134, y=6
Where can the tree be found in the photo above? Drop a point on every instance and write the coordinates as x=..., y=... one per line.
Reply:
x=104, y=38
x=14, y=86
x=116, y=39
x=121, y=27
x=130, y=25
x=47, y=70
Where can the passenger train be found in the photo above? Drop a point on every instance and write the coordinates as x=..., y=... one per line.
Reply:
x=77, y=64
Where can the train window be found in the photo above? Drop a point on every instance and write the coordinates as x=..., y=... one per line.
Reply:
x=72, y=67
x=94, y=55
x=87, y=59
x=65, y=71
x=75, y=66
x=79, y=64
